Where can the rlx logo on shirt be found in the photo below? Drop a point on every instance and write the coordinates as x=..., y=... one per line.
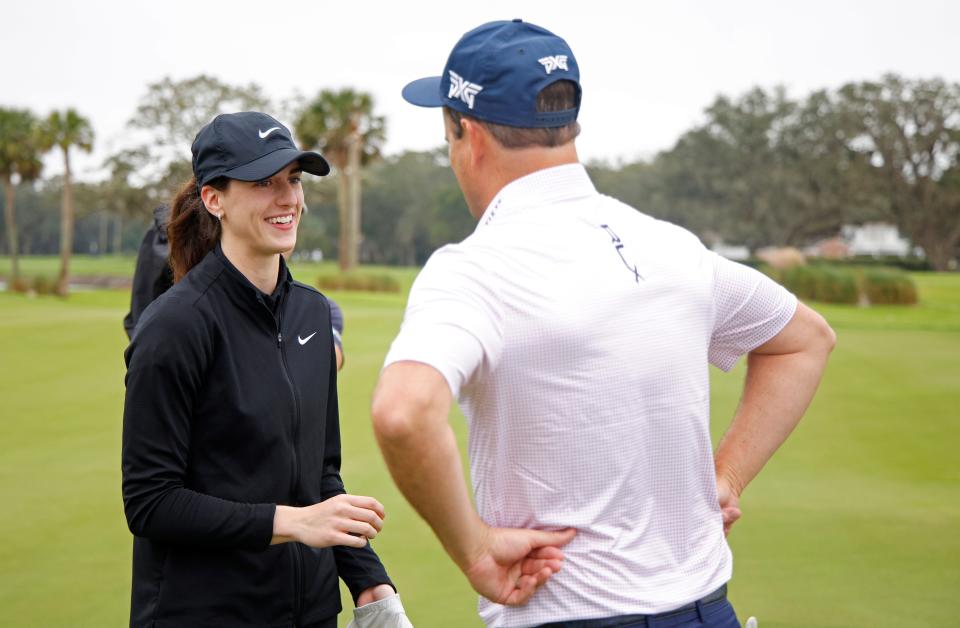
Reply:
x=618, y=245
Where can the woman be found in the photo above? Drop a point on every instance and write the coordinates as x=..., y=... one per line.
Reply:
x=231, y=443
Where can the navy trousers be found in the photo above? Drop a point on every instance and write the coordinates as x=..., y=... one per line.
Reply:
x=715, y=614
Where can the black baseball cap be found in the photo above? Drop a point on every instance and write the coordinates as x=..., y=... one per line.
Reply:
x=248, y=146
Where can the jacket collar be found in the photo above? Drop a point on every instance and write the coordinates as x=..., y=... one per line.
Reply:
x=216, y=265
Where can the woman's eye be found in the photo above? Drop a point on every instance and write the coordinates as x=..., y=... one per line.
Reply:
x=263, y=183
x=295, y=180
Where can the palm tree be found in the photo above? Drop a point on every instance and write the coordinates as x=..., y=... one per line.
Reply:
x=342, y=126
x=19, y=155
x=65, y=130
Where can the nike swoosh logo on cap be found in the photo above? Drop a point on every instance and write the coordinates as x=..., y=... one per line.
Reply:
x=264, y=134
x=304, y=341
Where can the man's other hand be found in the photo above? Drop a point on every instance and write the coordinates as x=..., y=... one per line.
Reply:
x=729, y=504
x=513, y=563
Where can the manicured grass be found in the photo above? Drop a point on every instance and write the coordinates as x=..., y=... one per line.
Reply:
x=49, y=265
x=853, y=523
x=123, y=265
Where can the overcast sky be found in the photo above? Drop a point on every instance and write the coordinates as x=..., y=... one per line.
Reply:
x=648, y=69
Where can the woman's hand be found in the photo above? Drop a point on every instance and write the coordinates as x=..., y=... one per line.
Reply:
x=341, y=520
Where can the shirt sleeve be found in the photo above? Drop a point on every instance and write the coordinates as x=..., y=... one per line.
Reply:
x=165, y=370
x=336, y=321
x=452, y=322
x=749, y=309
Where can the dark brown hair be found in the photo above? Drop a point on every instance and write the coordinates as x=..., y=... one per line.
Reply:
x=193, y=231
x=558, y=96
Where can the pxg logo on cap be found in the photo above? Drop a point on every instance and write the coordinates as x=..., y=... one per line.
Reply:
x=248, y=146
x=495, y=73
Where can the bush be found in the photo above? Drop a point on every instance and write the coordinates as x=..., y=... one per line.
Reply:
x=822, y=283
x=20, y=284
x=39, y=284
x=773, y=273
x=912, y=264
x=888, y=287
x=44, y=285
x=800, y=280
x=837, y=285
x=359, y=281
x=829, y=283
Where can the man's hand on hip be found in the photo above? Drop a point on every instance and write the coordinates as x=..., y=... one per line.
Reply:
x=513, y=563
x=729, y=504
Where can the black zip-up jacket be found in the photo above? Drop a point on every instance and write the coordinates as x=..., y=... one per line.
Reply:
x=230, y=410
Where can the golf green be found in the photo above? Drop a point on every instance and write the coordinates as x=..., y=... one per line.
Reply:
x=853, y=523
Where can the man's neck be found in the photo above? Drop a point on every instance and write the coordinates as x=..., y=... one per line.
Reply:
x=513, y=164
x=260, y=270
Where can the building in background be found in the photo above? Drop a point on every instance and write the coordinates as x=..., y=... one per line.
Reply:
x=878, y=239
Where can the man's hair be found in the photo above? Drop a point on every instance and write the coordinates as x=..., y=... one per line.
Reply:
x=558, y=96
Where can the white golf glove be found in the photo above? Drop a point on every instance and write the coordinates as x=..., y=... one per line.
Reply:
x=385, y=613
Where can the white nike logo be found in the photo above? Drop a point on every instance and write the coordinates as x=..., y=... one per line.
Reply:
x=304, y=341
x=264, y=134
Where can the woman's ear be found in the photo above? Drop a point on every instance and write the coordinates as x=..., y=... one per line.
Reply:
x=213, y=200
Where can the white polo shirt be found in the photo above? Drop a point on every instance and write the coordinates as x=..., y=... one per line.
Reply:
x=576, y=334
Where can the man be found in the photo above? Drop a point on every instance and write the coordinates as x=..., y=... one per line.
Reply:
x=576, y=333
x=153, y=276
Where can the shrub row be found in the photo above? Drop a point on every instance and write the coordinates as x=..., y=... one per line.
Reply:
x=359, y=281
x=885, y=262
x=888, y=287
x=847, y=284
x=39, y=284
x=911, y=264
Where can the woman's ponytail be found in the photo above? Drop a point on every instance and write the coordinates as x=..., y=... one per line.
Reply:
x=193, y=231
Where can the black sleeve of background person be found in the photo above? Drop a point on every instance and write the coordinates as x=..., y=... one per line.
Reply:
x=336, y=316
x=359, y=568
x=152, y=275
x=336, y=321
x=165, y=369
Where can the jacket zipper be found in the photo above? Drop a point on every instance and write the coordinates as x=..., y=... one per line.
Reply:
x=294, y=480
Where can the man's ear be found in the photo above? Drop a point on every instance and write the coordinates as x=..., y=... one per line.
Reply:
x=213, y=200
x=478, y=140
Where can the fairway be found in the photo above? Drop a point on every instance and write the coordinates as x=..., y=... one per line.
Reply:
x=854, y=523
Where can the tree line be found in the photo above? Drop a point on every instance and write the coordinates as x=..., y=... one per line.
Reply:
x=23, y=140
x=760, y=169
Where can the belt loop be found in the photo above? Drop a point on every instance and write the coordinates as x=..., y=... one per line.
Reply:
x=700, y=614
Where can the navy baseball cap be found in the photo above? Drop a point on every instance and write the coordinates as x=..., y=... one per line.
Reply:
x=495, y=72
x=248, y=146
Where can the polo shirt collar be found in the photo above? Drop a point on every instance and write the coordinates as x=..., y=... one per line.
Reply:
x=543, y=187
